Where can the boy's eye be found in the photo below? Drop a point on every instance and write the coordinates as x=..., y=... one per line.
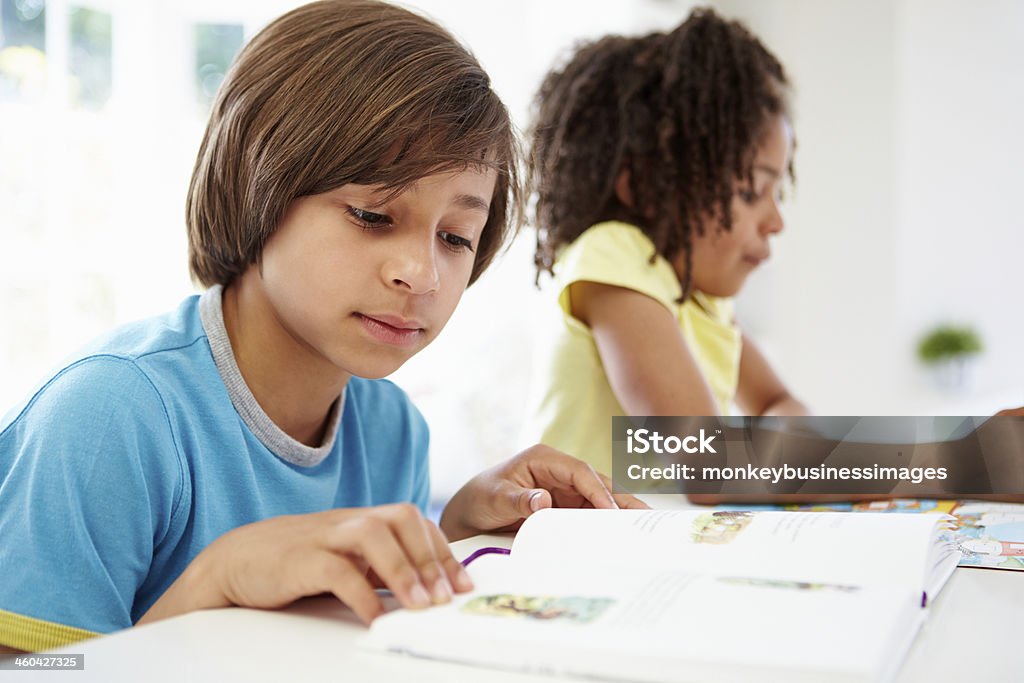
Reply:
x=368, y=219
x=455, y=242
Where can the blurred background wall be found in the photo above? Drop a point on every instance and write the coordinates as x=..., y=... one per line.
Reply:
x=907, y=211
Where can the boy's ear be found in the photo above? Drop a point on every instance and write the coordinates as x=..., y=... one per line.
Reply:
x=622, y=189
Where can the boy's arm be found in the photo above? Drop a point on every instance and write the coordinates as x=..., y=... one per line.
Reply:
x=85, y=494
x=760, y=390
x=649, y=366
x=347, y=552
x=502, y=497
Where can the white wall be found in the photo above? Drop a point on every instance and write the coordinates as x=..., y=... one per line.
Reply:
x=821, y=308
x=906, y=212
x=961, y=148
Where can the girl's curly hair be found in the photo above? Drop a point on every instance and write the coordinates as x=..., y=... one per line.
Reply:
x=681, y=111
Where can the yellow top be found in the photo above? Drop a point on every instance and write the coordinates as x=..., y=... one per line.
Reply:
x=575, y=401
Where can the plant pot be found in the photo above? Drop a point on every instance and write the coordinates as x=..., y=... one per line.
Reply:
x=953, y=375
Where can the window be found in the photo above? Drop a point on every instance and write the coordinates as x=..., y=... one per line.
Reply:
x=215, y=47
x=102, y=106
x=90, y=58
x=22, y=49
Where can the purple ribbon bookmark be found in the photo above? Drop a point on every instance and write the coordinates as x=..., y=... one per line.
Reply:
x=489, y=550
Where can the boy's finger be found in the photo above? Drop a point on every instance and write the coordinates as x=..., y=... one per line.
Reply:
x=372, y=538
x=415, y=536
x=565, y=471
x=342, y=578
x=456, y=573
x=524, y=502
x=625, y=501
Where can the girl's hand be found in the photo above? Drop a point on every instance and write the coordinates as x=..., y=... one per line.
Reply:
x=499, y=499
x=347, y=552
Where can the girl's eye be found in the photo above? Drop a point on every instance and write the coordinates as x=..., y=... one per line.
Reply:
x=367, y=219
x=749, y=196
x=455, y=242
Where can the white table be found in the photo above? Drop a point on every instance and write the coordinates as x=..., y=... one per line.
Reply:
x=972, y=634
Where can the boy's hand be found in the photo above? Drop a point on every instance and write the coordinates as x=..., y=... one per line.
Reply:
x=499, y=499
x=347, y=552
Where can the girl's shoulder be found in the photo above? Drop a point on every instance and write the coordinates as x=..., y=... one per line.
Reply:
x=614, y=234
x=621, y=255
x=614, y=246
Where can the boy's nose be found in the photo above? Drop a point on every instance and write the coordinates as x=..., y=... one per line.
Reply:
x=414, y=268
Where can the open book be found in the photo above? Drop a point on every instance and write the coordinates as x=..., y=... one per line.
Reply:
x=692, y=595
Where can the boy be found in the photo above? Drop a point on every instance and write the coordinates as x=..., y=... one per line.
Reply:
x=357, y=173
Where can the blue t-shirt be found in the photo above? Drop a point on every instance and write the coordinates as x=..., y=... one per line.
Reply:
x=138, y=454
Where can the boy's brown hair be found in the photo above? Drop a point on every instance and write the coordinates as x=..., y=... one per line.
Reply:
x=337, y=92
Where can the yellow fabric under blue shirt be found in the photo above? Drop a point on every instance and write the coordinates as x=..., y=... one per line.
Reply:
x=575, y=402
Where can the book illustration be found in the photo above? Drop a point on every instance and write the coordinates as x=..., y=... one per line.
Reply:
x=990, y=535
x=788, y=585
x=578, y=609
x=719, y=527
x=905, y=505
x=992, y=554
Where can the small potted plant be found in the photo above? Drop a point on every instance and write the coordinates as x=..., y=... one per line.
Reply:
x=948, y=349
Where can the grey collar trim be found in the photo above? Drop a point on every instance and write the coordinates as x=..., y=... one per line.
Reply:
x=283, y=446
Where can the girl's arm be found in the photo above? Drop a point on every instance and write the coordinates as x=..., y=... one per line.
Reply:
x=760, y=390
x=649, y=366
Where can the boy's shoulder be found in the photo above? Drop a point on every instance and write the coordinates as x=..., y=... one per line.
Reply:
x=169, y=331
x=121, y=363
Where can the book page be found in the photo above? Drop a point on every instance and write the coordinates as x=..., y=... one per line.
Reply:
x=648, y=625
x=989, y=534
x=855, y=548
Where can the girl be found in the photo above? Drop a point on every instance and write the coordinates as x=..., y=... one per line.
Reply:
x=658, y=164
x=357, y=174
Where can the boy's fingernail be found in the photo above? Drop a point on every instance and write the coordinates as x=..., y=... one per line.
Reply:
x=418, y=596
x=442, y=591
x=535, y=500
x=463, y=581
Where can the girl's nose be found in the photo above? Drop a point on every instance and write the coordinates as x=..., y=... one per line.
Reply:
x=774, y=222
